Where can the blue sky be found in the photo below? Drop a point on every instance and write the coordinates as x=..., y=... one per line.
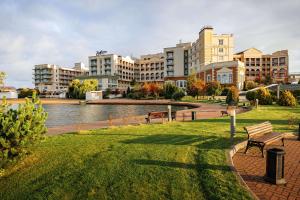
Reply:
x=67, y=31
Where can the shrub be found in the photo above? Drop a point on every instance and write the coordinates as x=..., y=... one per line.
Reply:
x=169, y=89
x=27, y=92
x=287, y=99
x=232, y=96
x=178, y=95
x=213, y=88
x=251, y=95
x=264, y=96
x=225, y=91
x=250, y=85
x=20, y=127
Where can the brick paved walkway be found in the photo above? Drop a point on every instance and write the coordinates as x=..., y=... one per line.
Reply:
x=251, y=167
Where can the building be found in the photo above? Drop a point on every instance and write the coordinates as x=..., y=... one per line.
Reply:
x=8, y=93
x=111, y=70
x=294, y=77
x=211, y=48
x=177, y=63
x=260, y=66
x=53, y=79
x=227, y=73
x=150, y=68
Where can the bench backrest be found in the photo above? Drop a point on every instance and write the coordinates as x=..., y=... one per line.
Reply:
x=160, y=114
x=259, y=129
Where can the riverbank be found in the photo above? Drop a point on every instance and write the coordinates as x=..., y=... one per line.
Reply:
x=47, y=101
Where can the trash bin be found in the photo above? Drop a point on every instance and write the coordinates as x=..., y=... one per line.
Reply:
x=275, y=166
x=194, y=115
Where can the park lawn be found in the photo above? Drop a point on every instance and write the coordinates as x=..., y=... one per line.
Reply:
x=179, y=160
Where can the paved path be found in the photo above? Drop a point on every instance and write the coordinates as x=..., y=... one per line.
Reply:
x=251, y=167
x=204, y=111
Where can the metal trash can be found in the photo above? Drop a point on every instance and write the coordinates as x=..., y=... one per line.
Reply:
x=194, y=115
x=275, y=166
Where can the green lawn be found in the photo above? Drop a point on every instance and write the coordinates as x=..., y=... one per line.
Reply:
x=181, y=160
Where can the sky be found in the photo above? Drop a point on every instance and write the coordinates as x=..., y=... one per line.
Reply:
x=63, y=32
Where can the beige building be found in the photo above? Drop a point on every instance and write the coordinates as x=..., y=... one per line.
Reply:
x=294, y=77
x=177, y=63
x=211, y=48
x=53, y=79
x=150, y=68
x=111, y=70
x=259, y=65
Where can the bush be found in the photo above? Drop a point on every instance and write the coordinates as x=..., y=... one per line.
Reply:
x=264, y=96
x=287, y=99
x=26, y=92
x=169, y=89
x=232, y=96
x=213, y=88
x=178, y=95
x=225, y=91
x=20, y=127
x=250, y=85
x=251, y=95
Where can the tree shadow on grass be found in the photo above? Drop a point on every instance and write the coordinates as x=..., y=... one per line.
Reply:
x=180, y=165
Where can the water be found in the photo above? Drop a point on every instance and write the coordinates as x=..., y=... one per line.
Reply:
x=62, y=114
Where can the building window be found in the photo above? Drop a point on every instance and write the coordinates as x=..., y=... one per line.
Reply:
x=220, y=50
x=230, y=78
x=221, y=42
x=221, y=58
x=208, y=78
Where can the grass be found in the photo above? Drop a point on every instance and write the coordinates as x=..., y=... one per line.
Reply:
x=180, y=160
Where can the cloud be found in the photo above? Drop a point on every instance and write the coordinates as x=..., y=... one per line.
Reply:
x=64, y=32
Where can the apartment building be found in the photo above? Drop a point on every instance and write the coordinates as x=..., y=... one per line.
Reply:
x=211, y=48
x=150, y=68
x=294, y=77
x=259, y=65
x=177, y=63
x=111, y=70
x=52, y=79
x=227, y=73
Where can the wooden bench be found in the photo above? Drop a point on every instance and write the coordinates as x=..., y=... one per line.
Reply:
x=159, y=115
x=262, y=134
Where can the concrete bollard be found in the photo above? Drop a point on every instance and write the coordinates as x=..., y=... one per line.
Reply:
x=169, y=113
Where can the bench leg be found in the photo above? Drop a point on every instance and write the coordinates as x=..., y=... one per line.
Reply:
x=282, y=140
x=247, y=147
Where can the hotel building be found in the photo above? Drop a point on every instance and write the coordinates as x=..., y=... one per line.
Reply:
x=150, y=68
x=53, y=79
x=111, y=71
x=177, y=63
x=211, y=56
x=259, y=65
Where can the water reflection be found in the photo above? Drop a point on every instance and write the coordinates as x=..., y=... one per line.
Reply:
x=72, y=114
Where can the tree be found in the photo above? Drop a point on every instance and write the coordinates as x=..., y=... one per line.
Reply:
x=213, y=88
x=169, y=89
x=250, y=85
x=199, y=88
x=77, y=90
x=190, y=88
x=287, y=99
x=154, y=89
x=20, y=127
x=232, y=96
x=264, y=96
x=2, y=78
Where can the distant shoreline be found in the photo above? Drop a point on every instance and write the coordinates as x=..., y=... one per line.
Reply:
x=47, y=101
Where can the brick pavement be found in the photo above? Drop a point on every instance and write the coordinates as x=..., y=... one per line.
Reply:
x=251, y=167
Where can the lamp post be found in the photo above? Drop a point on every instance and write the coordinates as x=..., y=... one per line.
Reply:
x=231, y=111
x=169, y=113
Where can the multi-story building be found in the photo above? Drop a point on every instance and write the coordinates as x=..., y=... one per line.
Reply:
x=211, y=48
x=111, y=71
x=294, y=77
x=150, y=68
x=50, y=78
x=177, y=63
x=259, y=66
